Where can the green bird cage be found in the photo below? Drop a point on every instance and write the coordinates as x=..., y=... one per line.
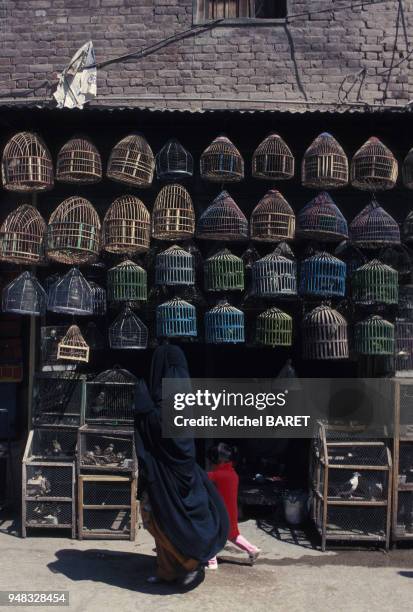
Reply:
x=224, y=271
x=274, y=328
x=374, y=336
x=127, y=282
x=375, y=283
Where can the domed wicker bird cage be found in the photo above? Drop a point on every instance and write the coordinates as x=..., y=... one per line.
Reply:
x=173, y=216
x=128, y=332
x=224, y=324
x=408, y=228
x=176, y=318
x=351, y=255
x=174, y=162
x=274, y=328
x=273, y=160
x=274, y=275
x=99, y=299
x=224, y=271
x=127, y=282
x=323, y=275
x=374, y=336
x=26, y=164
x=405, y=305
x=404, y=345
x=407, y=170
x=24, y=295
x=73, y=347
x=325, y=165
x=126, y=228
x=324, y=334
x=221, y=162
x=22, y=236
x=71, y=295
x=374, y=167
x=132, y=162
x=78, y=162
x=375, y=283
x=322, y=220
x=223, y=220
x=174, y=266
x=373, y=227
x=73, y=232
x=272, y=219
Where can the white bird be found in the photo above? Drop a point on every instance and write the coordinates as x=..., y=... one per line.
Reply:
x=346, y=489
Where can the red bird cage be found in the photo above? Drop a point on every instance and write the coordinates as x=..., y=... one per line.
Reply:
x=79, y=162
x=374, y=227
x=272, y=219
x=222, y=162
x=273, y=160
x=22, y=236
x=132, y=162
x=374, y=167
x=223, y=220
x=173, y=216
x=126, y=227
x=321, y=219
x=325, y=165
x=26, y=164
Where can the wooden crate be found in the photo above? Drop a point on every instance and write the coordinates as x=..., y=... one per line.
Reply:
x=402, y=519
x=94, y=452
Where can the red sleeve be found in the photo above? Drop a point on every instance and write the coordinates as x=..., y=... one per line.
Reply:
x=212, y=476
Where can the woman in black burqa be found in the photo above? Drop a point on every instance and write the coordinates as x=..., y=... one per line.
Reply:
x=179, y=505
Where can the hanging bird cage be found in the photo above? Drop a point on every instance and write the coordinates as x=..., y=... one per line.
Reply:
x=174, y=266
x=126, y=228
x=375, y=283
x=176, y=318
x=132, y=162
x=407, y=171
x=73, y=233
x=405, y=305
x=274, y=328
x=272, y=219
x=273, y=160
x=274, y=275
x=324, y=334
x=24, y=295
x=173, y=162
x=128, y=332
x=398, y=257
x=72, y=347
x=26, y=165
x=323, y=275
x=98, y=298
x=22, y=236
x=223, y=220
x=79, y=162
x=374, y=167
x=325, y=165
x=351, y=255
x=224, y=271
x=127, y=282
x=222, y=162
x=321, y=219
x=374, y=336
x=224, y=324
x=408, y=227
x=71, y=295
x=173, y=216
x=374, y=227
x=404, y=345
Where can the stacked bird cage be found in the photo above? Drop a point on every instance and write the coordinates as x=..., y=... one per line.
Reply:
x=126, y=228
x=174, y=162
x=173, y=216
x=58, y=399
x=110, y=398
x=321, y=219
x=98, y=298
x=71, y=295
x=402, y=523
x=174, y=266
x=73, y=347
x=408, y=227
x=78, y=162
x=223, y=220
x=407, y=171
x=274, y=328
x=324, y=334
x=22, y=236
x=375, y=283
x=274, y=275
x=106, y=449
x=404, y=345
x=24, y=296
x=26, y=164
x=272, y=219
x=176, y=318
x=224, y=271
x=373, y=227
x=325, y=165
x=224, y=324
x=374, y=336
x=323, y=275
x=222, y=162
x=272, y=159
x=132, y=162
x=128, y=332
x=405, y=305
x=374, y=167
x=127, y=282
x=351, y=255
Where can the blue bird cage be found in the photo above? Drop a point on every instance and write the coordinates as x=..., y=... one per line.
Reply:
x=175, y=266
x=373, y=227
x=99, y=299
x=323, y=275
x=274, y=275
x=71, y=294
x=25, y=296
x=176, y=318
x=224, y=324
x=321, y=219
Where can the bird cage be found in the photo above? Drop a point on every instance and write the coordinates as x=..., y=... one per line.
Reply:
x=375, y=283
x=321, y=219
x=128, y=332
x=26, y=164
x=73, y=233
x=325, y=165
x=223, y=220
x=174, y=162
x=272, y=219
x=404, y=345
x=110, y=397
x=174, y=266
x=407, y=170
x=222, y=162
x=127, y=282
x=274, y=328
x=323, y=275
x=272, y=159
x=79, y=162
x=132, y=162
x=398, y=257
x=71, y=295
x=408, y=227
x=24, y=295
x=224, y=271
x=324, y=334
x=351, y=255
x=224, y=324
x=176, y=318
x=274, y=275
x=405, y=305
x=374, y=167
x=374, y=336
x=98, y=299
x=126, y=228
x=173, y=215
x=374, y=227
x=22, y=236
x=72, y=347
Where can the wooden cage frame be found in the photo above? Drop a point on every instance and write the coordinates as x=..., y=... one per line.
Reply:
x=26, y=164
x=79, y=162
x=126, y=227
x=22, y=236
x=132, y=162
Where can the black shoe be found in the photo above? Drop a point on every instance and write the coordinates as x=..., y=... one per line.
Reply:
x=192, y=579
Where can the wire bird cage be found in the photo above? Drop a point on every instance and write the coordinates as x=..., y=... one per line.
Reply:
x=375, y=283
x=272, y=159
x=374, y=336
x=404, y=345
x=323, y=275
x=274, y=275
x=274, y=328
x=22, y=236
x=78, y=162
x=321, y=219
x=408, y=227
x=325, y=165
x=224, y=271
x=224, y=324
x=73, y=233
x=222, y=162
x=110, y=397
x=132, y=162
x=176, y=318
x=407, y=170
x=272, y=219
x=351, y=255
x=128, y=332
x=127, y=282
x=374, y=227
x=71, y=295
x=324, y=334
x=24, y=295
x=72, y=346
x=26, y=164
x=126, y=228
x=173, y=215
x=174, y=162
x=57, y=398
x=98, y=299
x=174, y=266
x=104, y=448
x=405, y=305
x=223, y=220
x=374, y=167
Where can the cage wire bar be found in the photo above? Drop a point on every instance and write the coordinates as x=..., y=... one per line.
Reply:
x=98, y=299
x=321, y=219
x=224, y=324
x=176, y=318
x=274, y=328
x=71, y=295
x=26, y=164
x=24, y=296
x=374, y=227
x=127, y=282
x=323, y=275
x=325, y=334
x=128, y=332
x=222, y=162
x=374, y=336
x=174, y=162
x=223, y=220
x=110, y=397
x=78, y=162
x=224, y=271
x=274, y=275
x=374, y=167
x=174, y=266
x=173, y=215
x=272, y=219
x=126, y=228
x=375, y=283
x=132, y=162
x=325, y=165
x=22, y=236
x=273, y=160
x=72, y=346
